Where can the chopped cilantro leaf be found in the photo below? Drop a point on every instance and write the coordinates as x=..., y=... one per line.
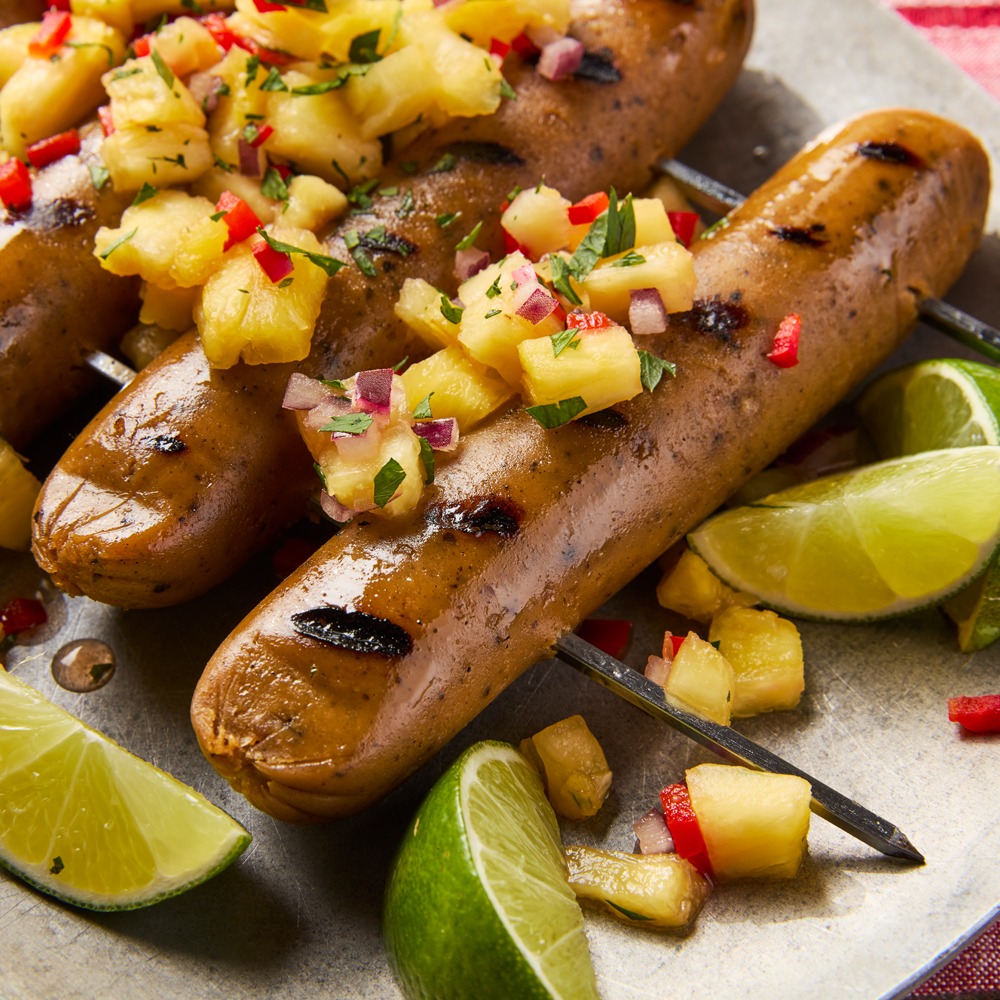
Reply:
x=273, y=185
x=166, y=75
x=506, y=90
x=551, y=415
x=422, y=411
x=491, y=313
x=333, y=383
x=451, y=312
x=560, y=279
x=99, y=176
x=564, y=339
x=329, y=264
x=320, y=473
x=401, y=364
x=494, y=290
x=118, y=242
x=447, y=218
x=629, y=260
x=349, y=423
x=652, y=369
x=273, y=83
x=365, y=264
x=387, y=481
x=364, y=48
x=468, y=241
x=406, y=206
x=444, y=164
x=590, y=249
x=427, y=459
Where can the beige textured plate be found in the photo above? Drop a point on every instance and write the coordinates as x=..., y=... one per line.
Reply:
x=298, y=915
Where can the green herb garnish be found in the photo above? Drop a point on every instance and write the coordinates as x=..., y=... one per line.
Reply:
x=422, y=411
x=468, y=241
x=427, y=459
x=329, y=264
x=406, y=206
x=451, y=312
x=166, y=74
x=564, y=339
x=349, y=423
x=387, y=481
x=551, y=415
x=560, y=279
x=443, y=165
x=652, y=369
x=447, y=218
x=273, y=185
x=629, y=260
x=118, y=242
x=364, y=48
x=144, y=193
x=99, y=176
x=273, y=82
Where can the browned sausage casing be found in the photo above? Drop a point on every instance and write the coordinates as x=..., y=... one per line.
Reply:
x=57, y=304
x=189, y=470
x=21, y=11
x=845, y=236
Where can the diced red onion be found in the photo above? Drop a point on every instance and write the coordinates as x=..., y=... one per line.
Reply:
x=657, y=670
x=249, y=159
x=303, y=392
x=373, y=389
x=560, y=59
x=646, y=313
x=204, y=89
x=470, y=261
x=334, y=509
x=537, y=306
x=652, y=833
x=441, y=435
x=524, y=275
x=323, y=412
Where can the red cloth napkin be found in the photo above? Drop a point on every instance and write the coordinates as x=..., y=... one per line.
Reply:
x=969, y=34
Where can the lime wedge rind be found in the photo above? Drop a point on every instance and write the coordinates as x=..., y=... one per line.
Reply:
x=818, y=568
x=89, y=823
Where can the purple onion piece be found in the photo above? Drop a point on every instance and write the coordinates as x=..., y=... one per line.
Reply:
x=441, y=434
x=560, y=58
x=323, y=412
x=249, y=159
x=373, y=389
x=537, y=306
x=652, y=833
x=334, y=509
x=646, y=313
x=303, y=392
x=470, y=261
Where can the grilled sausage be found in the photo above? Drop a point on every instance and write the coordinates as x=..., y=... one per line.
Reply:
x=398, y=632
x=189, y=471
x=56, y=302
x=21, y=11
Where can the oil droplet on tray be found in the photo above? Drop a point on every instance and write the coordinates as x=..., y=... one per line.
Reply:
x=83, y=665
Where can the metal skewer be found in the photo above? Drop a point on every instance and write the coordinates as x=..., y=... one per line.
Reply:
x=629, y=684
x=708, y=193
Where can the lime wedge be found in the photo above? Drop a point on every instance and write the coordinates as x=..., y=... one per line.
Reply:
x=86, y=821
x=945, y=403
x=478, y=902
x=874, y=542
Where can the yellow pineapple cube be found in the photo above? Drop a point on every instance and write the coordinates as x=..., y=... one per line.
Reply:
x=419, y=307
x=755, y=824
x=199, y=252
x=167, y=309
x=141, y=95
x=46, y=96
x=312, y=203
x=538, y=219
x=573, y=767
x=462, y=387
x=18, y=490
x=765, y=652
x=148, y=10
x=214, y=181
x=145, y=342
x=485, y=20
x=667, y=267
x=691, y=589
x=394, y=92
x=700, y=680
x=186, y=46
x=14, y=48
x=646, y=890
x=294, y=29
x=242, y=314
x=315, y=131
x=117, y=13
x=603, y=369
x=651, y=223
x=178, y=154
x=243, y=103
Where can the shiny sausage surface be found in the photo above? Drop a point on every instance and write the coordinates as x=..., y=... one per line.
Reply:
x=398, y=632
x=189, y=471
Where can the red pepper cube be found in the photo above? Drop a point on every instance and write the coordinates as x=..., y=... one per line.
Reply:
x=240, y=218
x=15, y=184
x=219, y=29
x=141, y=46
x=499, y=48
x=21, y=613
x=276, y=265
x=51, y=34
x=106, y=119
x=511, y=245
x=683, y=224
x=46, y=151
x=587, y=209
x=683, y=825
x=587, y=321
x=263, y=134
x=524, y=46
x=671, y=643
x=265, y=8
x=785, y=352
x=608, y=635
x=977, y=714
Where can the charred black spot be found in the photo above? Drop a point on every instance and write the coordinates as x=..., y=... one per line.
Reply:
x=479, y=515
x=60, y=213
x=598, y=66
x=385, y=242
x=167, y=445
x=889, y=152
x=486, y=152
x=719, y=319
x=353, y=630
x=801, y=236
x=161, y=588
x=604, y=420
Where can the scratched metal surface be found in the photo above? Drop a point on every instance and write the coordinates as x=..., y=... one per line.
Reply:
x=298, y=915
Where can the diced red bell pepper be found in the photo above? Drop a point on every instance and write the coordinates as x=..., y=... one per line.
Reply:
x=15, y=184
x=141, y=46
x=978, y=713
x=671, y=643
x=51, y=34
x=587, y=321
x=283, y=171
x=587, y=209
x=240, y=218
x=608, y=635
x=55, y=147
x=265, y=8
x=683, y=225
x=785, y=352
x=276, y=265
x=511, y=245
x=219, y=29
x=524, y=46
x=499, y=48
x=20, y=614
x=59, y=4
x=263, y=134
x=683, y=825
x=104, y=116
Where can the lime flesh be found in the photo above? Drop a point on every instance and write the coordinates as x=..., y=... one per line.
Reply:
x=478, y=903
x=874, y=542
x=86, y=821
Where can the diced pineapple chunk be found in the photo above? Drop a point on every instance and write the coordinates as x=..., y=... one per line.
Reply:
x=690, y=588
x=603, y=369
x=168, y=309
x=701, y=680
x=241, y=314
x=152, y=234
x=419, y=307
x=573, y=767
x=667, y=267
x=755, y=824
x=215, y=181
x=538, y=219
x=117, y=13
x=291, y=30
x=485, y=20
x=312, y=203
x=242, y=103
x=355, y=18
x=178, y=154
x=651, y=223
x=145, y=342
x=18, y=490
x=648, y=890
x=146, y=10
x=14, y=48
x=142, y=96
x=47, y=96
x=765, y=652
x=462, y=387
x=186, y=46
x=320, y=132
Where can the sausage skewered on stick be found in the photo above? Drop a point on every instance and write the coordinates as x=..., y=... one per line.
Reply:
x=396, y=633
